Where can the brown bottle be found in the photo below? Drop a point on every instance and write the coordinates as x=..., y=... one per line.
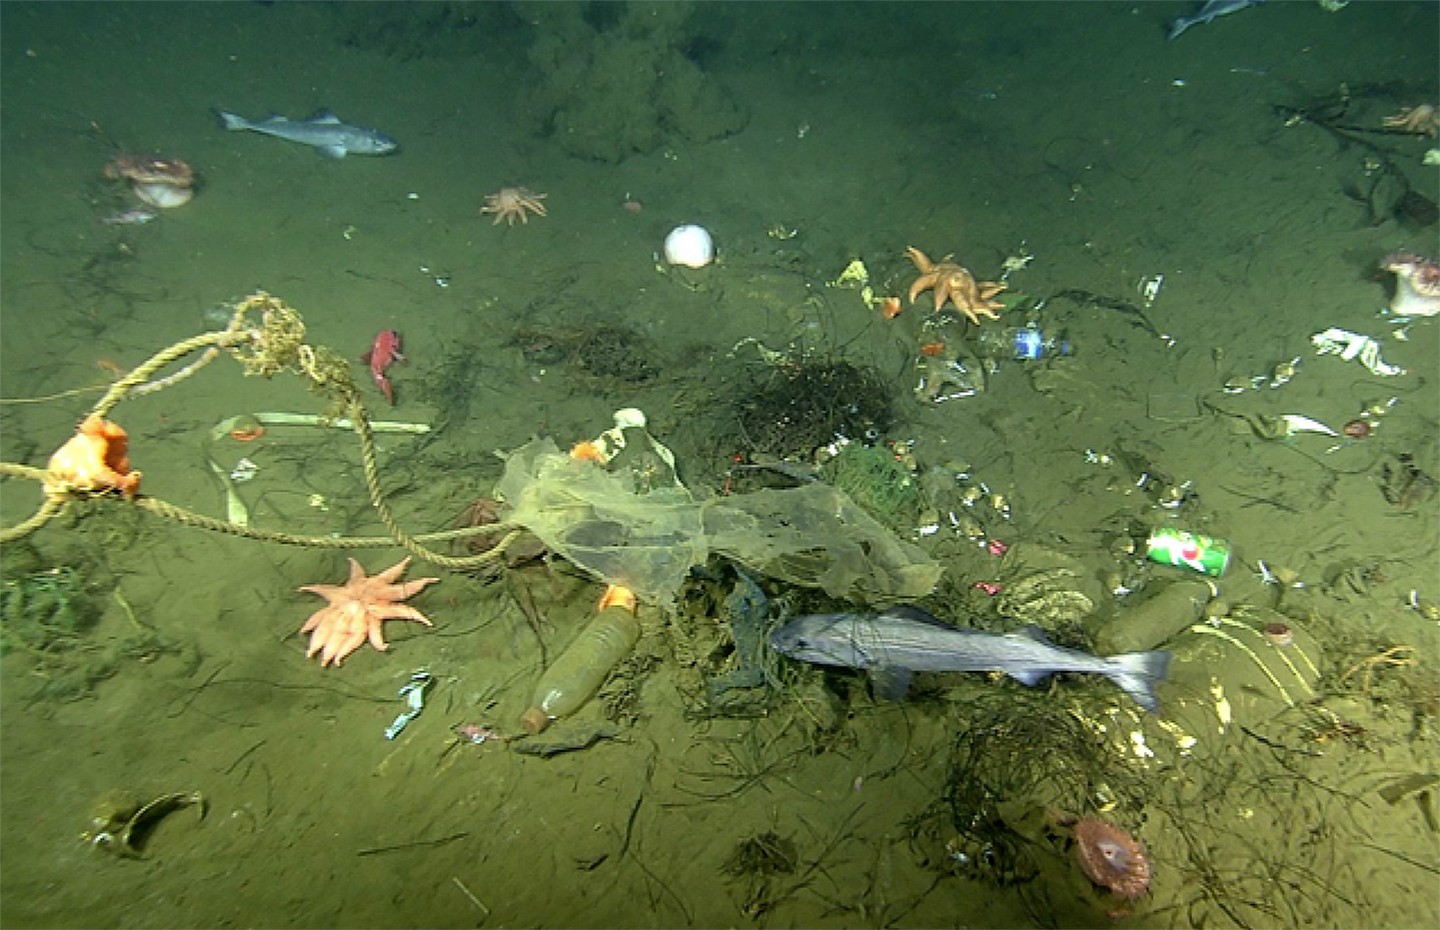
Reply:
x=582, y=668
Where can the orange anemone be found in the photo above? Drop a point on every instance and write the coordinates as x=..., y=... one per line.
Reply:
x=248, y=433
x=890, y=308
x=932, y=348
x=93, y=461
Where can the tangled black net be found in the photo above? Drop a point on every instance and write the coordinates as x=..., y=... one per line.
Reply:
x=795, y=407
x=1024, y=761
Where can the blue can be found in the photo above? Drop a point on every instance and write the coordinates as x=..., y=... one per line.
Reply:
x=1026, y=343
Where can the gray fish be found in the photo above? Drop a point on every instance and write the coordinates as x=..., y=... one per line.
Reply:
x=1207, y=12
x=322, y=131
x=905, y=639
x=799, y=472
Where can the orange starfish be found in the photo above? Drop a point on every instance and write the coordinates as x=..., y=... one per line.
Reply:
x=357, y=609
x=955, y=283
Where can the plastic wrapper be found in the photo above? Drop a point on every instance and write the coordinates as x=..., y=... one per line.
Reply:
x=1348, y=345
x=813, y=536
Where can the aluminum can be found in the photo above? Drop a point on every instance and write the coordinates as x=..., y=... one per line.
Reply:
x=1204, y=554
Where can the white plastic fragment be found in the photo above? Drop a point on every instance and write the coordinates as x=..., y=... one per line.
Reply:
x=1348, y=345
x=244, y=470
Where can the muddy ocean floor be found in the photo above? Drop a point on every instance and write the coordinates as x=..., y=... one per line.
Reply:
x=1189, y=213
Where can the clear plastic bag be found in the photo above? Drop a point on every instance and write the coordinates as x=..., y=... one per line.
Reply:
x=813, y=535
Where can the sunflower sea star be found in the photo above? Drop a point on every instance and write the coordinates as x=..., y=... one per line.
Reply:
x=357, y=609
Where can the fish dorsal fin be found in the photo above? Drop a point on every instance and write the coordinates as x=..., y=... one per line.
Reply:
x=914, y=614
x=322, y=116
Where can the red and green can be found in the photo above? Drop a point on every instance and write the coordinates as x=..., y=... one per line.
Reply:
x=1204, y=554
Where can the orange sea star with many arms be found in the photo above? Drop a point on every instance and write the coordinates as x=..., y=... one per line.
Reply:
x=357, y=609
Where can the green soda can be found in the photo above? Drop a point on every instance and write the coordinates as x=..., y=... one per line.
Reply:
x=1204, y=554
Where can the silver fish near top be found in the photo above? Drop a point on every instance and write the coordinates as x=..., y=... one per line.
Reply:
x=1207, y=12
x=905, y=639
x=322, y=131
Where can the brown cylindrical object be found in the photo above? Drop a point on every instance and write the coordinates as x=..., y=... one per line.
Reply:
x=1156, y=619
x=573, y=678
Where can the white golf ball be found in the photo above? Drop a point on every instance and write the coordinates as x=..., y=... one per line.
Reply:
x=689, y=245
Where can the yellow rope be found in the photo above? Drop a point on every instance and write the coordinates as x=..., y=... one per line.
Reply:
x=16, y=470
x=159, y=360
x=169, y=511
x=276, y=346
x=117, y=391
x=382, y=507
x=45, y=399
x=41, y=517
x=190, y=518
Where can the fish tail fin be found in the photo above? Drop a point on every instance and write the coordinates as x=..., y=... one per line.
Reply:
x=1137, y=673
x=232, y=122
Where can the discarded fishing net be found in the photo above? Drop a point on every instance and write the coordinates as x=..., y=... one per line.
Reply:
x=1025, y=760
x=798, y=405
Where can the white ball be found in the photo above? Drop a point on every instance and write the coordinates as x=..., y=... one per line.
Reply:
x=689, y=245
